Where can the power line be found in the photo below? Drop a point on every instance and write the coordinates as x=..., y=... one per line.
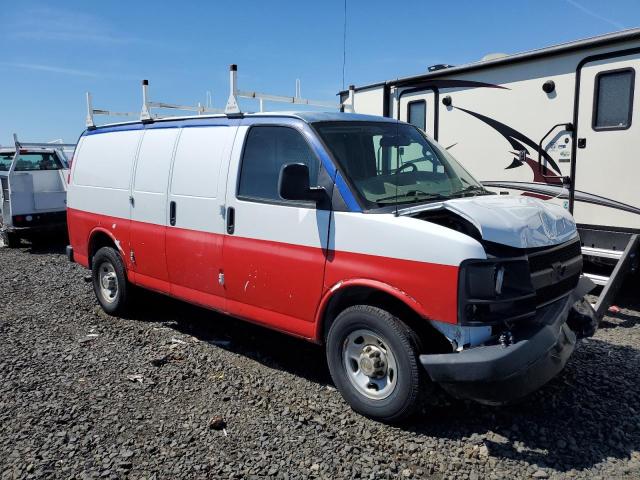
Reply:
x=344, y=43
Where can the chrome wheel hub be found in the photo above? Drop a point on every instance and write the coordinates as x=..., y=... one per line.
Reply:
x=108, y=281
x=373, y=362
x=370, y=364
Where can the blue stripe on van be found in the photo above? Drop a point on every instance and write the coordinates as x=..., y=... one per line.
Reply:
x=343, y=188
x=347, y=195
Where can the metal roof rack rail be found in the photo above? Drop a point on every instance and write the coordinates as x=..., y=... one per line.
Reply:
x=233, y=107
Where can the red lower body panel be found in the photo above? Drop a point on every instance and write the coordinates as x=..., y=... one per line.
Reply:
x=276, y=284
x=429, y=287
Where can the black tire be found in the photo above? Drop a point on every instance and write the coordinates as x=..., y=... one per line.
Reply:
x=10, y=239
x=108, y=260
x=410, y=380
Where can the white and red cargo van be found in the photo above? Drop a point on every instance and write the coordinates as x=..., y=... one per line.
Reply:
x=353, y=231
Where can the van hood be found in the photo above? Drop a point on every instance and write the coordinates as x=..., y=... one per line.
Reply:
x=516, y=221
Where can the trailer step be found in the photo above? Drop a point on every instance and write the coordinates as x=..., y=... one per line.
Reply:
x=626, y=263
x=597, y=279
x=602, y=253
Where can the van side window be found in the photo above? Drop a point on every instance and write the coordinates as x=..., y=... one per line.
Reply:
x=417, y=114
x=31, y=162
x=266, y=150
x=613, y=103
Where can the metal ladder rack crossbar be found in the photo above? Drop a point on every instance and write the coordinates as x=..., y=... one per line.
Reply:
x=50, y=145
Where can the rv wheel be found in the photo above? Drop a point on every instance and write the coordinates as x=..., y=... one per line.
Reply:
x=110, y=281
x=10, y=239
x=373, y=360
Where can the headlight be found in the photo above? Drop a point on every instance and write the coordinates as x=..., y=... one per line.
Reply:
x=495, y=290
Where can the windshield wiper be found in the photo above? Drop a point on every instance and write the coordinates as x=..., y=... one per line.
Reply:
x=471, y=189
x=414, y=194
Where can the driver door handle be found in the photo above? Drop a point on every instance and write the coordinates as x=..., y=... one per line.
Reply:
x=231, y=220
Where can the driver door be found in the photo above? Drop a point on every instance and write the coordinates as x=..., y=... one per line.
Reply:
x=274, y=250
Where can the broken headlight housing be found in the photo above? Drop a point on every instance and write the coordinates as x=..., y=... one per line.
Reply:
x=495, y=291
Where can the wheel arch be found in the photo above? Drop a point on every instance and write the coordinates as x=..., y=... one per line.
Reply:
x=351, y=292
x=98, y=238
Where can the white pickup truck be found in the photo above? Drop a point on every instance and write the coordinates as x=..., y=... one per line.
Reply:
x=33, y=197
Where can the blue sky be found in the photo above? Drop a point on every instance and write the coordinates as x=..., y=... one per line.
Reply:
x=52, y=52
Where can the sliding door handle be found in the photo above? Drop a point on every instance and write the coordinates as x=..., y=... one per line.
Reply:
x=172, y=213
x=231, y=220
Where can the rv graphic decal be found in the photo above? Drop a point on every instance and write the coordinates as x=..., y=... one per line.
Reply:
x=557, y=191
x=518, y=140
x=454, y=83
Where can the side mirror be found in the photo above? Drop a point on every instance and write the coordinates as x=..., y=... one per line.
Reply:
x=293, y=184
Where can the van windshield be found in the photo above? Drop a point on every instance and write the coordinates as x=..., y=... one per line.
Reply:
x=394, y=163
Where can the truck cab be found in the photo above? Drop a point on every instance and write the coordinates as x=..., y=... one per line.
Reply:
x=356, y=232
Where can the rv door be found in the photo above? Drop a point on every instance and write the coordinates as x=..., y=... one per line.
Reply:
x=418, y=108
x=608, y=141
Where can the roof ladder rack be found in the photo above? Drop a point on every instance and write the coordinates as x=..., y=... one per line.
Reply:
x=145, y=113
x=90, y=123
x=233, y=107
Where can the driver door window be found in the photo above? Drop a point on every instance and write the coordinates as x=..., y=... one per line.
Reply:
x=267, y=150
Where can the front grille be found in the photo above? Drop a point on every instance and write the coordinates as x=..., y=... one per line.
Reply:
x=552, y=292
x=542, y=259
x=560, y=267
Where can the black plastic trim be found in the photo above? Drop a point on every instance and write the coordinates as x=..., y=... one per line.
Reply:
x=495, y=374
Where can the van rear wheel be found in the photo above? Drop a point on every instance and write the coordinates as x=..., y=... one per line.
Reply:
x=373, y=360
x=110, y=282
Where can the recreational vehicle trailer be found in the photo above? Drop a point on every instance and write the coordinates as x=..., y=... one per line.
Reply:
x=561, y=123
x=34, y=189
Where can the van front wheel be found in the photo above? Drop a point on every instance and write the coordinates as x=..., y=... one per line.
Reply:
x=373, y=360
x=110, y=282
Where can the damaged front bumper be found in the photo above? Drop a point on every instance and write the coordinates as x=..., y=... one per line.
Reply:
x=498, y=374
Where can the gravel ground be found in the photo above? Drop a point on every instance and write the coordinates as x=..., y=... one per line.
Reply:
x=179, y=392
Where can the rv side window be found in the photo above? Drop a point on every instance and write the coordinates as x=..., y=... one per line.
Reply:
x=31, y=162
x=266, y=150
x=417, y=114
x=613, y=102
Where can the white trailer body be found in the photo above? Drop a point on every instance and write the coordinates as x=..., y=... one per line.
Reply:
x=560, y=123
